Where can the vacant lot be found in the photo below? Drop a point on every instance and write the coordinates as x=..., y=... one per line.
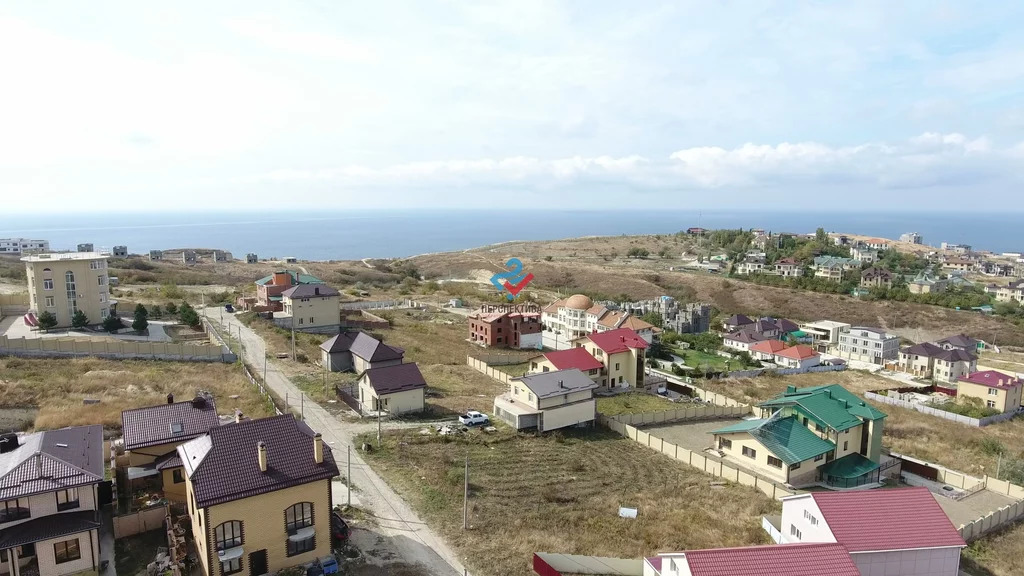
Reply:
x=561, y=492
x=453, y=390
x=429, y=337
x=998, y=554
x=633, y=403
x=60, y=387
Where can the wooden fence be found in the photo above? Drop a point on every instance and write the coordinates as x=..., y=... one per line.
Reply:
x=483, y=368
x=142, y=521
x=120, y=349
x=976, y=422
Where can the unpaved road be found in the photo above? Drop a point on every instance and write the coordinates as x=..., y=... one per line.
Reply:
x=399, y=537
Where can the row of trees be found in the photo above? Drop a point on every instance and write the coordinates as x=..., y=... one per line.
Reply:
x=140, y=319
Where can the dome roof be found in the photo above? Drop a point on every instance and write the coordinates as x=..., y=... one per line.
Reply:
x=579, y=302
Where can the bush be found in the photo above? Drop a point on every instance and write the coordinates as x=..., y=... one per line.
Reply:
x=141, y=319
x=47, y=320
x=187, y=315
x=79, y=320
x=112, y=323
x=172, y=308
x=172, y=291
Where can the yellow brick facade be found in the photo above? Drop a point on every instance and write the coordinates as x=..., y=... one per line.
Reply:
x=996, y=398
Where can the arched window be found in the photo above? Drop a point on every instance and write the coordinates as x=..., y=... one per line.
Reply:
x=298, y=523
x=228, y=535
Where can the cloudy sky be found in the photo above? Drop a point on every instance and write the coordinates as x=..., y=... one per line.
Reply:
x=195, y=105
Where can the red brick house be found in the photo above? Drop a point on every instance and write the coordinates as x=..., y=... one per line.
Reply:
x=505, y=329
x=270, y=288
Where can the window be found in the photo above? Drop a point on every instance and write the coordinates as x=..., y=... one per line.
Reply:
x=296, y=518
x=72, y=294
x=49, y=302
x=993, y=392
x=794, y=466
x=228, y=535
x=300, y=321
x=749, y=452
x=177, y=475
x=101, y=280
x=67, y=499
x=846, y=445
x=819, y=457
x=991, y=403
x=11, y=510
x=616, y=365
x=724, y=443
x=794, y=532
x=620, y=379
x=773, y=461
x=66, y=551
x=48, y=284
x=311, y=319
x=529, y=397
x=819, y=427
x=231, y=566
x=95, y=265
x=811, y=518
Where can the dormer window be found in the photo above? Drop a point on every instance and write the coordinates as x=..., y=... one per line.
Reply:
x=176, y=428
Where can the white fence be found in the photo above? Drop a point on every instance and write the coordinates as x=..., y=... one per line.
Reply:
x=977, y=422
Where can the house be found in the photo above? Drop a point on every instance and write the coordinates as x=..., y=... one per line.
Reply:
x=824, y=333
x=735, y=322
x=877, y=243
x=790, y=560
x=396, y=389
x=995, y=389
x=120, y=252
x=251, y=258
x=568, y=319
x=942, y=362
x=505, y=329
x=751, y=264
x=622, y=352
x=809, y=435
x=152, y=435
x=156, y=255
x=832, y=267
x=49, y=501
x=961, y=342
x=221, y=256
x=955, y=248
x=912, y=238
x=189, y=257
x=766, y=349
x=864, y=254
x=259, y=495
x=85, y=247
x=900, y=531
x=926, y=283
x=875, y=277
x=788, y=267
x=799, y=356
x=958, y=265
x=614, y=320
x=1014, y=291
x=270, y=288
x=569, y=359
x=696, y=231
x=743, y=339
x=336, y=354
x=310, y=308
x=63, y=284
x=548, y=401
x=867, y=344
x=358, y=352
x=18, y=246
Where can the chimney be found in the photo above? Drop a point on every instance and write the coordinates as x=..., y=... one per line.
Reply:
x=318, y=448
x=170, y=398
x=261, y=454
x=238, y=416
x=316, y=290
x=561, y=384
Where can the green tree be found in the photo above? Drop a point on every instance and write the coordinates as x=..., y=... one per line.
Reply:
x=112, y=323
x=79, y=320
x=156, y=311
x=141, y=319
x=653, y=318
x=637, y=252
x=187, y=315
x=172, y=309
x=47, y=320
x=820, y=236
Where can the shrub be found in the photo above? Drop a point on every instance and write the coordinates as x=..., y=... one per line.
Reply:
x=79, y=320
x=172, y=308
x=47, y=320
x=112, y=323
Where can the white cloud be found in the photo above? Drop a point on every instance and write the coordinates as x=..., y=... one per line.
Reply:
x=306, y=43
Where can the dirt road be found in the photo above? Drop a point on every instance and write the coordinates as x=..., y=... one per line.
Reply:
x=399, y=535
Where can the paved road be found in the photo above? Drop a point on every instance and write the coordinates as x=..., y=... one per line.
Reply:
x=399, y=528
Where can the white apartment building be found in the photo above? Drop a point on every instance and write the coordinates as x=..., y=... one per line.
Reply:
x=866, y=344
x=23, y=245
x=64, y=283
x=565, y=320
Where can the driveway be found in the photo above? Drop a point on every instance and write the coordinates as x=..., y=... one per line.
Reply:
x=399, y=530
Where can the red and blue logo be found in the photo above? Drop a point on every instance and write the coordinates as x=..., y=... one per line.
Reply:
x=512, y=281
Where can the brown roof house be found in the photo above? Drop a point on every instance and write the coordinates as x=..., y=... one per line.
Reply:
x=259, y=495
x=153, y=434
x=875, y=277
x=396, y=389
x=358, y=352
x=49, y=497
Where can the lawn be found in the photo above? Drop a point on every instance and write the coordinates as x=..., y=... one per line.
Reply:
x=58, y=387
x=633, y=403
x=697, y=359
x=997, y=554
x=514, y=369
x=561, y=493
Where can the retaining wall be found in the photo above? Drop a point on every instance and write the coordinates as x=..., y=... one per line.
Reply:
x=487, y=370
x=121, y=349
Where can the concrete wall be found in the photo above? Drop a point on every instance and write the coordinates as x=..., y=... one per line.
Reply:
x=139, y=522
x=14, y=304
x=574, y=564
x=487, y=370
x=569, y=415
x=122, y=349
x=931, y=562
x=977, y=422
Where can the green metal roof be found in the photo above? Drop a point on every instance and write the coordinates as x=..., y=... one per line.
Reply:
x=829, y=405
x=297, y=278
x=849, y=467
x=791, y=441
x=741, y=426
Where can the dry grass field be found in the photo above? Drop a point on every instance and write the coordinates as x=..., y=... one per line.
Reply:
x=58, y=388
x=998, y=554
x=561, y=493
x=633, y=403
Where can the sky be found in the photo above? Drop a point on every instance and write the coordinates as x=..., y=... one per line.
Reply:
x=120, y=106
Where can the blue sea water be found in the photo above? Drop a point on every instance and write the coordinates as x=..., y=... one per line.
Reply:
x=380, y=234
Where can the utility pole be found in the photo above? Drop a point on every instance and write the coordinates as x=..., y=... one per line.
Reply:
x=264, y=368
x=378, y=423
x=348, y=478
x=302, y=406
x=465, y=498
x=293, y=335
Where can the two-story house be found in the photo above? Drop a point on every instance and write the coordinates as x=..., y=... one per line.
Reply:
x=832, y=267
x=259, y=496
x=862, y=253
x=49, y=497
x=152, y=436
x=269, y=289
x=396, y=389
x=926, y=283
x=994, y=389
x=310, y=308
x=788, y=267
x=572, y=358
x=505, y=329
x=875, y=277
x=613, y=320
x=548, y=401
x=808, y=435
x=941, y=364
x=622, y=352
x=751, y=264
x=368, y=352
x=1014, y=291
x=867, y=344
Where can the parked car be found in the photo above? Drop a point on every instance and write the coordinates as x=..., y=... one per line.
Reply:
x=474, y=418
x=339, y=528
x=229, y=308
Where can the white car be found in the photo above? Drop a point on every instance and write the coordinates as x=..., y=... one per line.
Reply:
x=474, y=418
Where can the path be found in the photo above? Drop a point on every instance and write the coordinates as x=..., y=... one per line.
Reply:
x=368, y=265
x=402, y=530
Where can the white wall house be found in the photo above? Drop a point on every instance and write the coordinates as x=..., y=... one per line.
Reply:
x=868, y=345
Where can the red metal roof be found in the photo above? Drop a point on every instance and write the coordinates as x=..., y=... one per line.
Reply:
x=992, y=379
x=798, y=352
x=895, y=519
x=777, y=560
x=618, y=340
x=768, y=346
x=577, y=358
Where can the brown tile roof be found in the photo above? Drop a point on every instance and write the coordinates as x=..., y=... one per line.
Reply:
x=397, y=378
x=49, y=527
x=168, y=423
x=610, y=319
x=636, y=324
x=52, y=460
x=309, y=291
x=554, y=306
x=372, y=350
x=223, y=465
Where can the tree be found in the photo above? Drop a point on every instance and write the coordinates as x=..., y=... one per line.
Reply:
x=141, y=320
x=79, y=320
x=156, y=311
x=638, y=252
x=821, y=236
x=47, y=320
x=653, y=318
x=187, y=315
x=171, y=308
x=112, y=323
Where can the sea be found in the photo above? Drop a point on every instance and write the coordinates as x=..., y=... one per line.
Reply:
x=351, y=235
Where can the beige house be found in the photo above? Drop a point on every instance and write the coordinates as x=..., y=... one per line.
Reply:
x=875, y=278
x=152, y=435
x=396, y=389
x=572, y=358
x=310, y=308
x=1014, y=291
x=866, y=344
x=49, y=501
x=926, y=283
x=61, y=284
x=788, y=267
x=938, y=363
x=548, y=401
x=259, y=496
x=995, y=390
x=622, y=353
x=864, y=254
